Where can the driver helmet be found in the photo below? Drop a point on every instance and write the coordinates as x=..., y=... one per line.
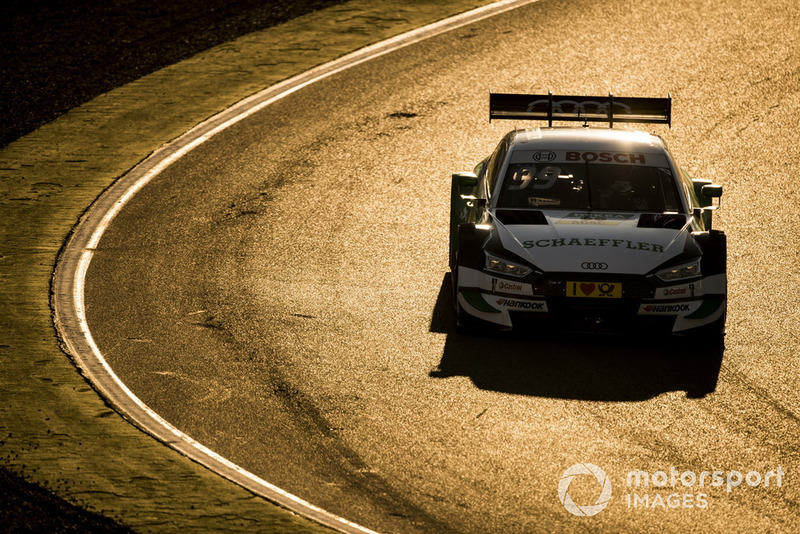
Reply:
x=622, y=186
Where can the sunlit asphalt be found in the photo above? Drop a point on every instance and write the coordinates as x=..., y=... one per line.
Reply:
x=281, y=293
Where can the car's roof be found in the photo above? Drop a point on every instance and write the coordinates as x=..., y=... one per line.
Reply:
x=586, y=139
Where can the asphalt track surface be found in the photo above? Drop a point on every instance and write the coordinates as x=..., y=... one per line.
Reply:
x=280, y=294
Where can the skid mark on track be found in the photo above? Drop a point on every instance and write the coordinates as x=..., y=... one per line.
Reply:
x=358, y=474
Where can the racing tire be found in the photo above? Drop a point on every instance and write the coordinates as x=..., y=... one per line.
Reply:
x=710, y=335
x=714, y=261
x=464, y=322
x=469, y=253
x=468, y=325
x=715, y=252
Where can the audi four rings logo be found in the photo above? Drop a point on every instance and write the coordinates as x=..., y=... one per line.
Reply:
x=594, y=265
x=544, y=156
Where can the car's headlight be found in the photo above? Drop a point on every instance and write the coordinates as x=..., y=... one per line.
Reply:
x=499, y=265
x=680, y=272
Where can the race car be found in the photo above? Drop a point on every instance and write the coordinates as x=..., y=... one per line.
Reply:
x=587, y=229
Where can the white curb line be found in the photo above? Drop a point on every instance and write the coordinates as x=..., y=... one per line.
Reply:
x=74, y=260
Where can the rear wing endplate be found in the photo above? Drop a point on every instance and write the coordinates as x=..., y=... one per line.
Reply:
x=608, y=109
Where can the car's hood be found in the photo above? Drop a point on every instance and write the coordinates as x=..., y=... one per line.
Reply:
x=580, y=241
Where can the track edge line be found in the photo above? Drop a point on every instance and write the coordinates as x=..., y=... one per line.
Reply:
x=75, y=257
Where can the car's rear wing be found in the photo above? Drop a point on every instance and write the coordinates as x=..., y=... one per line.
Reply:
x=608, y=109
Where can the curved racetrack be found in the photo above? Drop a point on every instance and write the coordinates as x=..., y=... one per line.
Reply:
x=280, y=294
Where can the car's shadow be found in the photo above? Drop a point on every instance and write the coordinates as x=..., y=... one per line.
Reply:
x=557, y=365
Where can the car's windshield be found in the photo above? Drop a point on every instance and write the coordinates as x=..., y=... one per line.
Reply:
x=587, y=186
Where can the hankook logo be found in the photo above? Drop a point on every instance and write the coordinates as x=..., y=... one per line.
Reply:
x=594, y=265
x=602, y=481
x=544, y=156
x=667, y=308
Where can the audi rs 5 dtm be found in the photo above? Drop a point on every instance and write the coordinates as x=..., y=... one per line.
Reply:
x=594, y=228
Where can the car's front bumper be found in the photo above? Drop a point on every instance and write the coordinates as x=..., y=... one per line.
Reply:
x=507, y=304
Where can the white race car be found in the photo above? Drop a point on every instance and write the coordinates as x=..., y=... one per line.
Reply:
x=594, y=229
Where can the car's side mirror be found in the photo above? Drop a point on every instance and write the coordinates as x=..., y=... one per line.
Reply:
x=465, y=185
x=465, y=179
x=465, y=208
x=706, y=192
x=711, y=191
